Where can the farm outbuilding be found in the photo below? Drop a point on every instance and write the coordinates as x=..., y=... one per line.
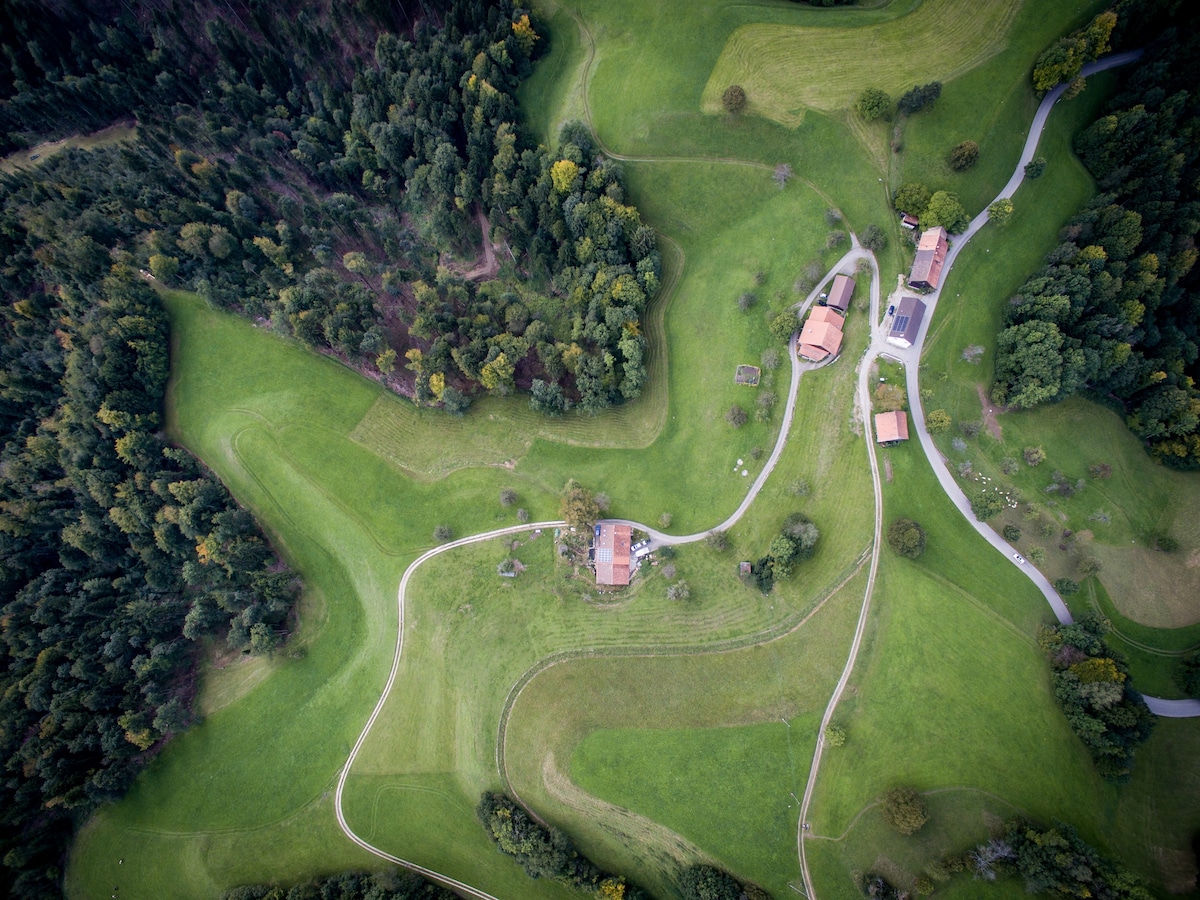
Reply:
x=906, y=323
x=931, y=254
x=840, y=293
x=891, y=427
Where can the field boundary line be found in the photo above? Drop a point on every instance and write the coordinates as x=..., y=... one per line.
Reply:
x=344, y=774
x=945, y=790
x=726, y=645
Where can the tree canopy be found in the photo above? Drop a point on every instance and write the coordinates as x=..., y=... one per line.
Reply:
x=1093, y=687
x=1112, y=313
x=906, y=537
x=945, y=210
x=1064, y=59
x=873, y=104
x=919, y=97
x=904, y=809
x=309, y=171
x=578, y=506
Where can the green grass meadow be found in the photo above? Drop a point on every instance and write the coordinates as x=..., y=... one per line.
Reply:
x=660, y=733
x=1115, y=518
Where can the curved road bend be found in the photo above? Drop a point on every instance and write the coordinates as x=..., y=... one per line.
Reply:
x=878, y=346
x=911, y=357
x=465, y=889
x=799, y=367
x=658, y=538
x=1174, y=709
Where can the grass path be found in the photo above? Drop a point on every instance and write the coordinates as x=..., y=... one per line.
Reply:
x=864, y=406
x=660, y=539
x=452, y=883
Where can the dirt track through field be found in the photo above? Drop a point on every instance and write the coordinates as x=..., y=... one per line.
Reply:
x=876, y=347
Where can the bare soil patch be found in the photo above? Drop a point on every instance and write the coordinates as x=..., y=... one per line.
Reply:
x=488, y=266
x=990, y=410
x=747, y=375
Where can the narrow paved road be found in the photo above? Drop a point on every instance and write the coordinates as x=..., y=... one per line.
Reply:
x=452, y=883
x=877, y=347
x=845, y=265
x=911, y=358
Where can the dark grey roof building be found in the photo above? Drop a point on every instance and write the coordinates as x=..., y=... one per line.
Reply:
x=907, y=322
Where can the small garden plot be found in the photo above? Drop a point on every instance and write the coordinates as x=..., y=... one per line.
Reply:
x=747, y=375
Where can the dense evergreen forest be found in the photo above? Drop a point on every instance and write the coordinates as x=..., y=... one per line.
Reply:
x=1115, y=312
x=327, y=203
x=319, y=170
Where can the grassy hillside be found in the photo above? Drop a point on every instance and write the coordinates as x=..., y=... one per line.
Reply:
x=659, y=733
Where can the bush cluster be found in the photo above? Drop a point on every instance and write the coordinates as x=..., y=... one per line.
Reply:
x=1094, y=689
x=543, y=850
x=795, y=543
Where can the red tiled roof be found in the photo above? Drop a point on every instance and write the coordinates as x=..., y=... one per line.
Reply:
x=823, y=314
x=825, y=335
x=612, y=553
x=891, y=426
x=812, y=353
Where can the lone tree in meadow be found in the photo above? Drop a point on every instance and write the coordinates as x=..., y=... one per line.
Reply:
x=873, y=104
x=1035, y=167
x=937, y=421
x=919, y=97
x=1187, y=674
x=904, y=809
x=964, y=155
x=906, y=537
x=873, y=238
x=734, y=99
x=1000, y=211
x=784, y=325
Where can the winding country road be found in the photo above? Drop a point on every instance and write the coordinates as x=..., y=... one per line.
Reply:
x=877, y=347
x=911, y=358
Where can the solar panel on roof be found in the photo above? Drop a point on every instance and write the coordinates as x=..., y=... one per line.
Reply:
x=604, y=554
x=900, y=325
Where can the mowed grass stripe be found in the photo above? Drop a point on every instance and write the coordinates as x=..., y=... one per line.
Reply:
x=786, y=69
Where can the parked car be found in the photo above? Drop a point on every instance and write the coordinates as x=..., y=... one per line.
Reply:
x=1019, y=558
x=892, y=310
